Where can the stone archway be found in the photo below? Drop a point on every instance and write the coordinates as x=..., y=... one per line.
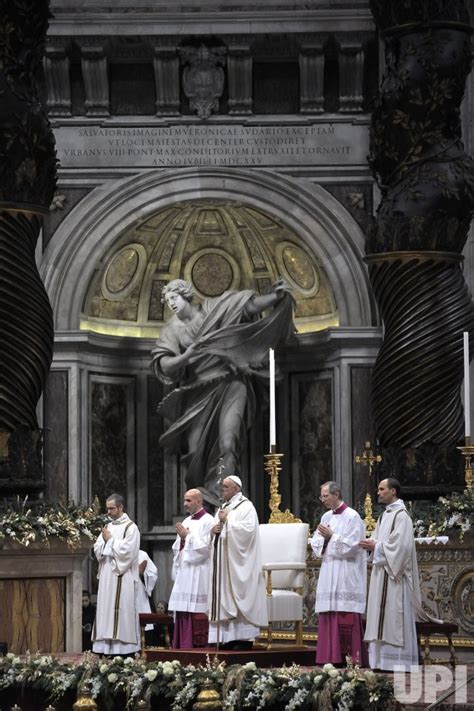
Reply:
x=91, y=229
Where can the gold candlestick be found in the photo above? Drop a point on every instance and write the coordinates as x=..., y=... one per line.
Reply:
x=368, y=459
x=272, y=467
x=467, y=452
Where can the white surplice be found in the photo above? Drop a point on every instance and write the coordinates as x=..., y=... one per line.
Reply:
x=190, y=570
x=394, y=594
x=237, y=595
x=147, y=583
x=116, y=628
x=342, y=582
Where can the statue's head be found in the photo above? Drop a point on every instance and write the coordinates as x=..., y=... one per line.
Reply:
x=178, y=286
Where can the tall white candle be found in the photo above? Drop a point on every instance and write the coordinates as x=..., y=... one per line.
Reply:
x=467, y=395
x=272, y=399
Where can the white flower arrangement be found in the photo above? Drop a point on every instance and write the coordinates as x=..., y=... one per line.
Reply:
x=25, y=523
x=120, y=683
x=451, y=515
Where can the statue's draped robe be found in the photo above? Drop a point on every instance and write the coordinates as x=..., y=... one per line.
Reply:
x=116, y=629
x=394, y=594
x=342, y=586
x=231, y=348
x=191, y=577
x=237, y=595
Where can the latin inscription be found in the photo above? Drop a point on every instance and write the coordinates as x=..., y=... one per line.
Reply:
x=171, y=146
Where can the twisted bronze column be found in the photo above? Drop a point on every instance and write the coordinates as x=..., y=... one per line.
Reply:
x=414, y=249
x=27, y=182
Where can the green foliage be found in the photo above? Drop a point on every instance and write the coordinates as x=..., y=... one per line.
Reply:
x=451, y=515
x=25, y=522
x=242, y=687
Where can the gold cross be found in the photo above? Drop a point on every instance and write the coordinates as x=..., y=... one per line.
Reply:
x=367, y=458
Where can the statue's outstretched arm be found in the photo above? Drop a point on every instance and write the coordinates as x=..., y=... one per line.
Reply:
x=261, y=303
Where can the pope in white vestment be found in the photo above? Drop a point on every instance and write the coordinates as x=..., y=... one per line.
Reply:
x=394, y=594
x=237, y=595
x=342, y=582
x=148, y=575
x=116, y=628
x=191, y=553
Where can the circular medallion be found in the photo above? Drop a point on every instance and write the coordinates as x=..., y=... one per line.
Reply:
x=297, y=268
x=212, y=271
x=463, y=599
x=123, y=271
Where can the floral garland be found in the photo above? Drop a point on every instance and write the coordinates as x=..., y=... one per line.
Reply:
x=242, y=687
x=26, y=523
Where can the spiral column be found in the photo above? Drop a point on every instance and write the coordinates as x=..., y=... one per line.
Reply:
x=414, y=247
x=27, y=183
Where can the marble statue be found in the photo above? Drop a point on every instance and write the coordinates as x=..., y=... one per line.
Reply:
x=215, y=354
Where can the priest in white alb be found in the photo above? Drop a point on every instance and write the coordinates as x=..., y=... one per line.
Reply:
x=394, y=594
x=237, y=595
x=342, y=582
x=116, y=629
x=191, y=553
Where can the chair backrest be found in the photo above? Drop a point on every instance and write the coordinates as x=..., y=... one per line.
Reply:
x=284, y=543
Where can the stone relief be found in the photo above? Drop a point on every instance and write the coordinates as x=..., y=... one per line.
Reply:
x=203, y=78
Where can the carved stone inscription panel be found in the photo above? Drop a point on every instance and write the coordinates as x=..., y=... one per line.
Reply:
x=230, y=144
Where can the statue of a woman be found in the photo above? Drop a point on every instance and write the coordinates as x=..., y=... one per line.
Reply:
x=214, y=353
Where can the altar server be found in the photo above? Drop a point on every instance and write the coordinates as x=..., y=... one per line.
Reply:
x=116, y=630
x=191, y=552
x=342, y=583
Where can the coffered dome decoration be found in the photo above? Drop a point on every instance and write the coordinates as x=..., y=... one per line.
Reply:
x=218, y=246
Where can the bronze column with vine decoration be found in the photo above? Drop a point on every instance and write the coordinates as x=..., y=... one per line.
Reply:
x=414, y=248
x=27, y=183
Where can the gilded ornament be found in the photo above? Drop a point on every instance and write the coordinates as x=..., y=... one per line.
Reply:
x=208, y=698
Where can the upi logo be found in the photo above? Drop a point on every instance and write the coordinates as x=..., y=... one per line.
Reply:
x=429, y=684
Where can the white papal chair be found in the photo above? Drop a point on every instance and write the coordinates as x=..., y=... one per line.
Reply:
x=284, y=548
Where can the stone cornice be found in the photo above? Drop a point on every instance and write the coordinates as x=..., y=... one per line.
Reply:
x=172, y=22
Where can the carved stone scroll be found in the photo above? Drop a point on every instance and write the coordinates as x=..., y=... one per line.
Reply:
x=56, y=72
x=166, y=66
x=312, y=78
x=239, y=72
x=96, y=81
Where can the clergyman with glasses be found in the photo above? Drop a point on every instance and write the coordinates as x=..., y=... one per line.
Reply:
x=342, y=584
